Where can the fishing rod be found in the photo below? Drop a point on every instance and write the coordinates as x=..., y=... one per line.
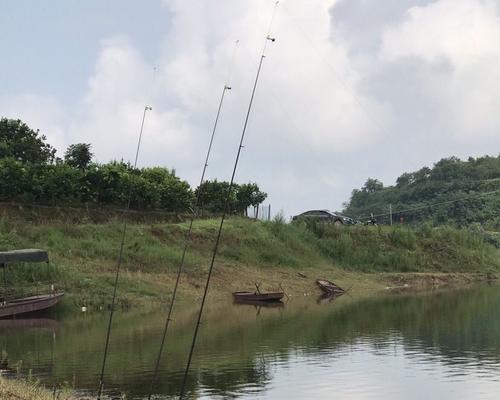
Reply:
x=226, y=204
x=193, y=215
x=119, y=262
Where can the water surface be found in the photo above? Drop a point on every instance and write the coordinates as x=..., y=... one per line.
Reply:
x=436, y=346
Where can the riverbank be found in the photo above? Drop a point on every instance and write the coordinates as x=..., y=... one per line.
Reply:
x=20, y=389
x=83, y=258
x=238, y=341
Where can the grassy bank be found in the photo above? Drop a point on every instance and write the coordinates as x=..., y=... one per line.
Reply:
x=21, y=389
x=84, y=257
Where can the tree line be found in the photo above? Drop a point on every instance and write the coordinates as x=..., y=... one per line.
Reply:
x=31, y=172
x=454, y=191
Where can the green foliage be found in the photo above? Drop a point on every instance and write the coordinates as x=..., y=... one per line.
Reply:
x=29, y=174
x=403, y=249
x=20, y=142
x=78, y=155
x=372, y=185
x=83, y=257
x=248, y=195
x=213, y=195
x=452, y=192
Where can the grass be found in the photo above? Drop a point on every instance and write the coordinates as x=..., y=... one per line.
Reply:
x=30, y=389
x=403, y=249
x=83, y=256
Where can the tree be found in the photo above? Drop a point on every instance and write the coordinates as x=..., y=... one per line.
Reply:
x=78, y=155
x=372, y=185
x=20, y=142
x=112, y=182
x=29, y=172
x=404, y=180
x=56, y=184
x=213, y=195
x=422, y=175
x=174, y=194
x=452, y=192
x=248, y=195
x=14, y=178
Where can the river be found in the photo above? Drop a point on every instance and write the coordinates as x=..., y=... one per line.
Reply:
x=437, y=345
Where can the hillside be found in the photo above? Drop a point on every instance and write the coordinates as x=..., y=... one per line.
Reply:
x=453, y=192
x=83, y=256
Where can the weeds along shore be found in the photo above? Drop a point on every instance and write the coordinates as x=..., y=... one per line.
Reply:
x=83, y=257
x=31, y=389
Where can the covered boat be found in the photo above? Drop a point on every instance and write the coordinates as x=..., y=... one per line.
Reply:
x=11, y=303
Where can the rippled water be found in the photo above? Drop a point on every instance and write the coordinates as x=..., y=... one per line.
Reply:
x=434, y=346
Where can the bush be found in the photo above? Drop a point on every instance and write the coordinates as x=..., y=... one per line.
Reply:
x=30, y=172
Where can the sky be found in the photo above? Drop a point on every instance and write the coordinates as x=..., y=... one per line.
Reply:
x=350, y=89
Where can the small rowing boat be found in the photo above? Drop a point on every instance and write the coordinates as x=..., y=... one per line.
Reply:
x=260, y=297
x=329, y=287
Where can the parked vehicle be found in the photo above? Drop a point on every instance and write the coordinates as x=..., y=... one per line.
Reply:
x=326, y=216
x=371, y=221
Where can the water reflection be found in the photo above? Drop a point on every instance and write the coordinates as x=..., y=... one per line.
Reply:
x=396, y=346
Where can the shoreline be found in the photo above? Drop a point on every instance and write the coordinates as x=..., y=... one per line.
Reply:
x=25, y=389
x=371, y=287
x=275, y=255
x=226, y=280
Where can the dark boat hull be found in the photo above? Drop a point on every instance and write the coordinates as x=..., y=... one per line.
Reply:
x=29, y=304
x=329, y=287
x=257, y=303
x=260, y=297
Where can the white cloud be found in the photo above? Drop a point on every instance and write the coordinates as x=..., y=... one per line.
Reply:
x=461, y=40
x=308, y=106
x=111, y=112
x=39, y=112
x=462, y=32
x=327, y=113
x=314, y=83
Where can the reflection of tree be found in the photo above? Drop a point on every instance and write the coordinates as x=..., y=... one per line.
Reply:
x=225, y=381
x=236, y=347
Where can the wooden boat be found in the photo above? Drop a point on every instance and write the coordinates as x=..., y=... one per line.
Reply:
x=29, y=304
x=259, y=303
x=329, y=287
x=260, y=297
x=15, y=306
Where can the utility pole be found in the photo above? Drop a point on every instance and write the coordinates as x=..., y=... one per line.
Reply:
x=390, y=212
